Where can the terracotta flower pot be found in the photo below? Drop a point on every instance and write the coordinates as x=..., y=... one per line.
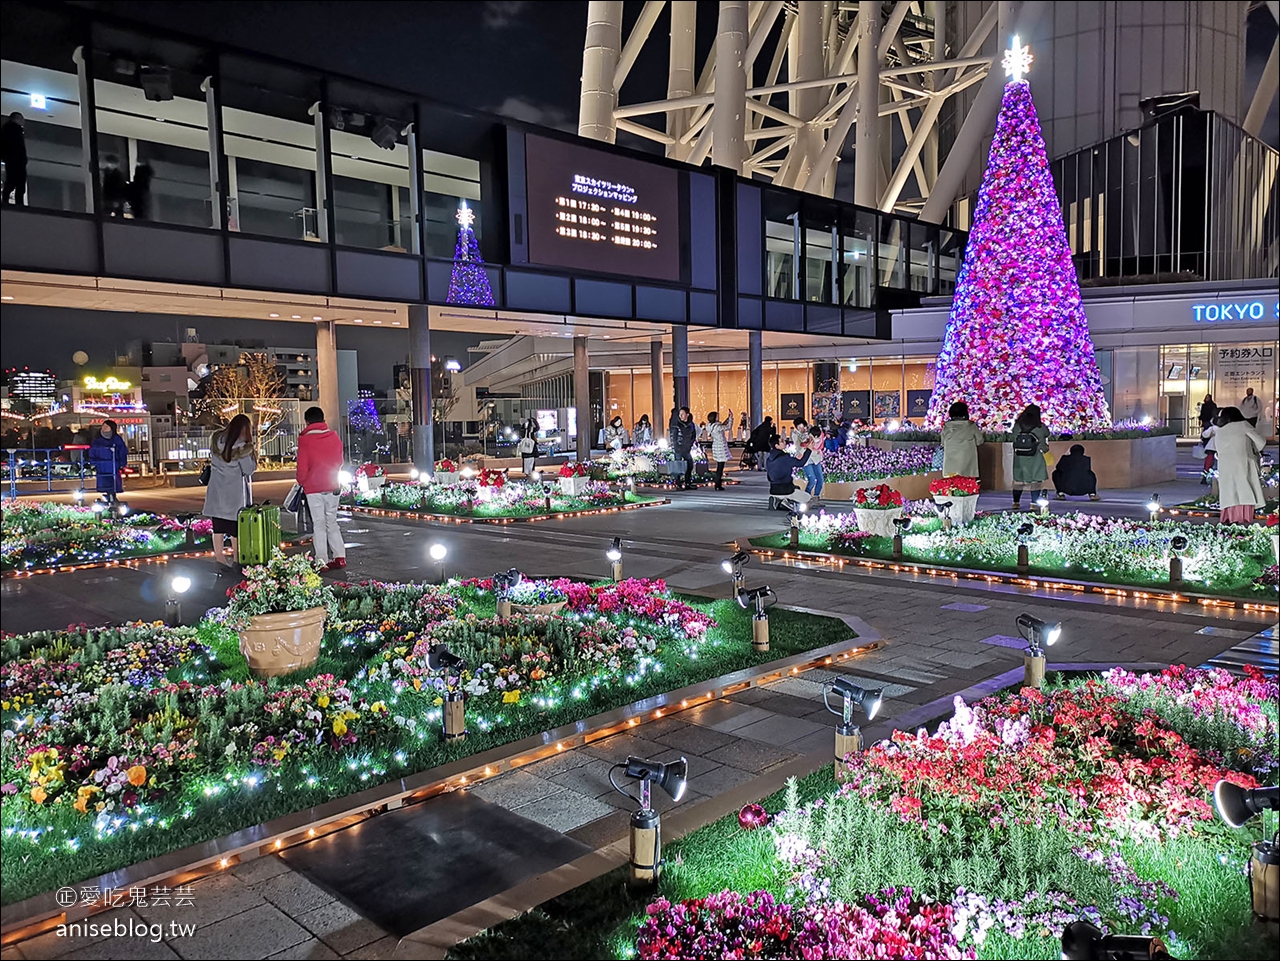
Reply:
x=281, y=643
x=553, y=608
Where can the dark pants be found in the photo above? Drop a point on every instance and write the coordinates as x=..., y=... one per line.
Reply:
x=1017, y=496
x=15, y=183
x=688, y=469
x=719, y=475
x=1253, y=421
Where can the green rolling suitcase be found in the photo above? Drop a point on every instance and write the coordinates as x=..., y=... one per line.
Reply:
x=257, y=533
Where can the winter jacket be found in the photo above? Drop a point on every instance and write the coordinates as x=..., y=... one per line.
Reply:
x=228, y=490
x=1208, y=411
x=615, y=438
x=1239, y=478
x=683, y=434
x=319, y=459
x=719, y=432
x=762, y=438
x=1073, y=474
x=960, y=440
x=109, y=455
x=642, y=435
x=779, y=468
x=1030, y=469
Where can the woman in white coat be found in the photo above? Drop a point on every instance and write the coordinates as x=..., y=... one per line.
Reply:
x=1239, y=477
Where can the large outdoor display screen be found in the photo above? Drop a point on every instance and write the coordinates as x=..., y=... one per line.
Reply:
x=589, y=210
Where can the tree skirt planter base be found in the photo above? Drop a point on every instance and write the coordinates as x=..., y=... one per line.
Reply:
x=546, y=609
x=276, y=644
x=913, y=487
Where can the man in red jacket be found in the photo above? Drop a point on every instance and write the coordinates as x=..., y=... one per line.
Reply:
x=319, y=461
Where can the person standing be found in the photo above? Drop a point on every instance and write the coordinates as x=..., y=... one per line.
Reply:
x=719, y=431
x=13, y=151
x=1208, y=411
x=528, y=446
x=760, y=443
x=1210, y=452
x=115, y=187
x=813, y=469
x=232, y=461
x=319, y=462
x=643, y=433
x=743, y=430
x=1250, y=407
x=683, y=435
x=1030, y=444
x=960, y=440
x=109, y=454
x=1239, y=443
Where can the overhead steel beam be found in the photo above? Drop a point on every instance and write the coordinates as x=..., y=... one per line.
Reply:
x=729, y=114
x=867, y=133
x=1266, y=92
x=681, y=76
x=635, y=40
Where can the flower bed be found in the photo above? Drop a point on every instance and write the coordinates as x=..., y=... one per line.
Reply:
x=43, y=534
x=1021, y=813
x=492, y=496
x=1219, y=559
x=853, y=464
x=125, y=743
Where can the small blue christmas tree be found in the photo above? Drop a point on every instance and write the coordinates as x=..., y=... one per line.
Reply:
x=469, y=284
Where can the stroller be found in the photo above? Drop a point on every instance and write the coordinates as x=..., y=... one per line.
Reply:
x=748, y=461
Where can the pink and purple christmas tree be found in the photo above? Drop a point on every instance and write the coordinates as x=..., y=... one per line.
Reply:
x=468, y=284
x=1017, y=333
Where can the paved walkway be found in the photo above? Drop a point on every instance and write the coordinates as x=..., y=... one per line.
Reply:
x=937, y=637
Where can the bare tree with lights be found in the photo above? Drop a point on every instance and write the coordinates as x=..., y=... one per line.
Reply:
x=253, y=386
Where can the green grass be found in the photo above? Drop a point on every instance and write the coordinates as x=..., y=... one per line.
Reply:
x=194, y=817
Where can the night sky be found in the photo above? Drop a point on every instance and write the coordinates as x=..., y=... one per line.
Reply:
x=513, y=57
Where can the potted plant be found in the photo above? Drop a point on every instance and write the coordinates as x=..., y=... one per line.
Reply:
x=370, y=477
x=446, y=472
x=876, y=507
x=536, y=597
x=573, y=478
x=279, y=610
x=961, y=491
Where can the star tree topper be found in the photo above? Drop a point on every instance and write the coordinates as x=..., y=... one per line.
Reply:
x=466, y=216
x=1017, y=60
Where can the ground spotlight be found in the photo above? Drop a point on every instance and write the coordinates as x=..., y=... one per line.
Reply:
x=414, y=473
x=760, y=599
x=1082, y=941
x=900, y=527
x=944, y=508
x=345, y=478
x=178, y=585
x=848, y=734
x=1024, y=553
x=1038, y=634
x=1153, y=507
x=502, y=585
x=438, y=553
x=646, y=826
x=1177, y=545
x=794, y=523
x=733, y=567
x=441, y=660
x=78, y=494
x=614, y=554
x=1236, y=806
x=122, y=509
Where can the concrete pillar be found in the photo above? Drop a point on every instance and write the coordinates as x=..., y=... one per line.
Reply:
x=659, y=416
x=327, y=372
x=424, y=426
x=682, y=79
x=755, y=376
x=582, y=397
x=805, y=62
x=729, y=117
x=866, y=157
x=599, y=97
x=680, y=366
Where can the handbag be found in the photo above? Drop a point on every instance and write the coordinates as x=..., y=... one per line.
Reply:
x=206, y=472
x=1049, y=459
x=293, y=500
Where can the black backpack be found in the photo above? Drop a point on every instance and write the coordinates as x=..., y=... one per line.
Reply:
x=1025, y=443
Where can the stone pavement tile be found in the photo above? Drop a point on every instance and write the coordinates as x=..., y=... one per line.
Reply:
x=695, y=738
x=516, y=788
x=556, y=764
x=797, y=687
x=111, y=949
x=792, y=705
x=564, y=812
x=382, y=950
x=11, y=954
x=753, y=695
x=654, y=730
x=339, y=927
x=620, y=746
x=591, y=779
x=294, y=893
x=819, y=743
x=779, y=729
x=260, y=869
x=750, y=756
x=956, y=659
x=258, y=933
x=726, y=716
x=310, y=950
x=604, y=831
x=51, y=945
x=721, y=779
x=212, y=899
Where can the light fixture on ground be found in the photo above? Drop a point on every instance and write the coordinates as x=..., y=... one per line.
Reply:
x=502, y=585
x=646, y=826
x=944, y=508
x=1177, y=545
x=438, y=553
x=78, y=494
x=122, y=509
x=178, y=586
x=1038, y=634
x=614, y=554
x=1024, y=554
x=733, y=567
x=796, y=511
x=760, y=599
x=1236, y=806
x=441, y=660
x=900, y=526
x=1082, y=941
x=99, y=509
x=1042, y=502
x=1154, y=508
x=848, y=734
x=414, y=474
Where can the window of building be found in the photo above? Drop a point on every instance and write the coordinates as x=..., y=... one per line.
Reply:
x=370, y=132
x=782, y=241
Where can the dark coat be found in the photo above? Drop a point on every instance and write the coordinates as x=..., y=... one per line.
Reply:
x=1208, y=411
x=682, y=434
x=780, y=467
x=108, y=455
x=761, y=438
x=1073, y=476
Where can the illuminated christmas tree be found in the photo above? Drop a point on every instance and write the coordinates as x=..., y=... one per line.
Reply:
x=469, y=284
x=1017, y=333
